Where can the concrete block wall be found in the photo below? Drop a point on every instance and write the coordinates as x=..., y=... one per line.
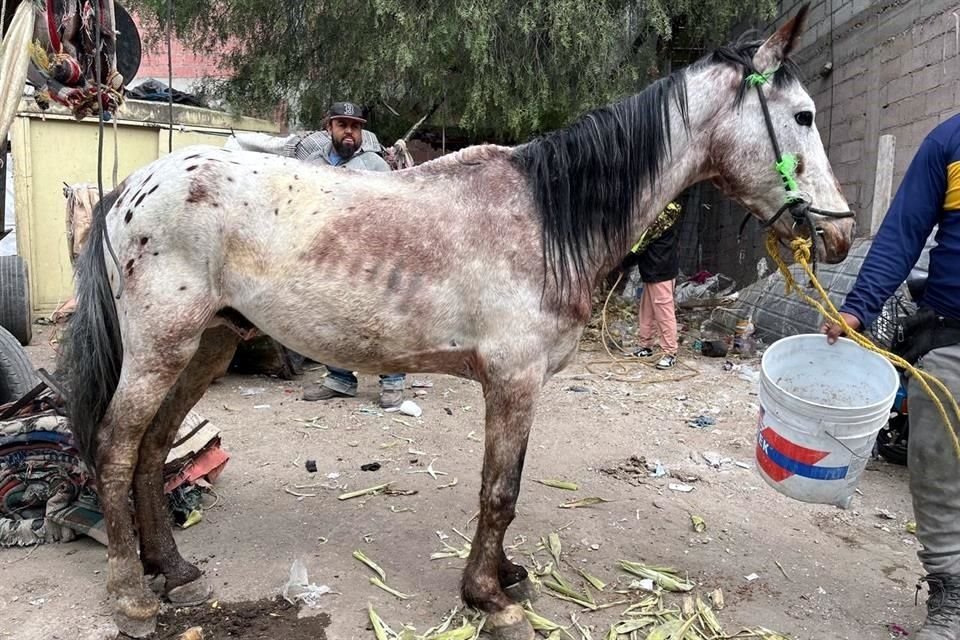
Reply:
x=896, y=70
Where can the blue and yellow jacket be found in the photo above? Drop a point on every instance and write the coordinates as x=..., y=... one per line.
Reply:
x=928, y=196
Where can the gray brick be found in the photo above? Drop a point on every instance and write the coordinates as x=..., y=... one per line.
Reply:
x=897, y=21
x=939, y=99
x=926, y=79
x=899, y=89
x=850, y=151
x=909, y=109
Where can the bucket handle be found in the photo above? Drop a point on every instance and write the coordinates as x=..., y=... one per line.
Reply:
x=851, y=451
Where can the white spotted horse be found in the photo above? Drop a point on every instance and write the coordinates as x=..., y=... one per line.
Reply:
x=478, y=264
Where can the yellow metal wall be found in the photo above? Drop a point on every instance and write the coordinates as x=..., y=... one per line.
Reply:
x=48, y=152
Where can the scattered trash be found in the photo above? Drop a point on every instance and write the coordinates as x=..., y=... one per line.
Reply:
x=194, y=517
x=246, y=392
x=578, y=389
x=421, y=384
x=729, y=366
x=448, y=410
x=583, y=502
x=716, y=597
x=333, y=475
x=453, y=483
x=430, y=470
x=742, y=465
x=897, y=631
x=751, y=577
x=713, y=458
x=911, y=527
x=261, y=406
x=193, y=633
x=299, y=588
x=664, y=578
x=370, y=466
x=369, y=411
x=699, y=524
x=658, y=470
x=749, y=374
x=311, y=466
x=362, y=492
x=782, y=570
x=702, y=422
x=885, y=514
x=411, y=408
x=377, y=582
x=298, y=494
x=559, y=484
x=681, y=487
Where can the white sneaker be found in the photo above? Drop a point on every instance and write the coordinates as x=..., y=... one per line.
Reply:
x=667, y=361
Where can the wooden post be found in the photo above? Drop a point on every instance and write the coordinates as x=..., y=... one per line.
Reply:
x=883, y=182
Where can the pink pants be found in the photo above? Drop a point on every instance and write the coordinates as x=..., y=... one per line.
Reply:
x=657, y=316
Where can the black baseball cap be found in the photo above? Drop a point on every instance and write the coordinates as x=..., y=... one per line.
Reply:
x=346, y=110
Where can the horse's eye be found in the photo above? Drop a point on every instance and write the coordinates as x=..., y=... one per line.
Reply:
x=804, y=118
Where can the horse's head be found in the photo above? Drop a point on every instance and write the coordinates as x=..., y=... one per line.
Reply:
x=766, y=151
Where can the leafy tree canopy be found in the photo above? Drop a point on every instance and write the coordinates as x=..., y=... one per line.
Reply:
x=505, y=69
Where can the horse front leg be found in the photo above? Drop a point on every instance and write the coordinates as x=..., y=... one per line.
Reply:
x=510, y=404
x=182, y=582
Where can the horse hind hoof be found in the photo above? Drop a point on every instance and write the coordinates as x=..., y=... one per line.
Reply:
x=136, y=619
x=510, y=624
x=191, y=594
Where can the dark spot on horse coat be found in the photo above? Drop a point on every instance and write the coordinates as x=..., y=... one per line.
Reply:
x=246, y=204
x=393, y=282
x=291, y=187
x=144, y=240
x=129, y=267
x=156, y=253
x=290, y=201
x=139, y=200
x=154, y=188
x=229, y=178
x=129, y=216
x=192, y=156
x=192, y=167
x=198, y=192
x=183, y=287
x=276, y=212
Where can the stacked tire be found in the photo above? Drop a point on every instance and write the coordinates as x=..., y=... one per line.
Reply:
x=16, y=372
x=15, y=298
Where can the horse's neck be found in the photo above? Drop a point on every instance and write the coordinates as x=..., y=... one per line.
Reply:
x=688, y=160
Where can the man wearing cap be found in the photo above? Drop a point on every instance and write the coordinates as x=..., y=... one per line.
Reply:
x=348, y=145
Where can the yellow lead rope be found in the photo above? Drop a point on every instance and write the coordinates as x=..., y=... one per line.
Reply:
x=801, y=253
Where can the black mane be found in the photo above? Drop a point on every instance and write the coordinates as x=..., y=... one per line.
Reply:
x=585, y=178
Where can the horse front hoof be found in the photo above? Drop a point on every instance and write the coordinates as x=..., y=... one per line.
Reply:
x=136, y=617
x=191, y=594
x=510, y=624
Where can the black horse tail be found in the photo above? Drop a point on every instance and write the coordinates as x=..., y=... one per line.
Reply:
x=92, y=353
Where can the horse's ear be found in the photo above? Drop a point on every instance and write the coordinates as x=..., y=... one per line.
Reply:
x=778, y=46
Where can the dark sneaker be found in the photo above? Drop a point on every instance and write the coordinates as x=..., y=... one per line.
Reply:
x=643, y=352
x=943, y=608
x=391, y=398
x=319, y=392
x=667, y=361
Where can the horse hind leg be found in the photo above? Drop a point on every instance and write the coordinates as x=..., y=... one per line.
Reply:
x=181, y=582
x=509, y=415
x=150, y=368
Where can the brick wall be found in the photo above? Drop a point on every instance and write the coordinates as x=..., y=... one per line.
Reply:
x=188, y=66
x=896, y=70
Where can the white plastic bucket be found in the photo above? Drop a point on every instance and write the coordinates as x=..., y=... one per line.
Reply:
x=821, y=407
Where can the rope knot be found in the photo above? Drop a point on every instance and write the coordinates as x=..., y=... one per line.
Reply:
x=801, y=250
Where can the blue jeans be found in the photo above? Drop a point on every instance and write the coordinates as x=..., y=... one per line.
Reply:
x=345, y=382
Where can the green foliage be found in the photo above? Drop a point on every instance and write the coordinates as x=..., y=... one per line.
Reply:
x=505, y=68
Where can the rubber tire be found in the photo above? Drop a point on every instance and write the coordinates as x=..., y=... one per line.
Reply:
x=17, y=375
x=15, y=298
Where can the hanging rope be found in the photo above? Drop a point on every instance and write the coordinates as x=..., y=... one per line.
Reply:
x=98, y=62
x=801, y=253
x=170, y=74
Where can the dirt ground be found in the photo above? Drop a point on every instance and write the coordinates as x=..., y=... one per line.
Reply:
x=845, y=574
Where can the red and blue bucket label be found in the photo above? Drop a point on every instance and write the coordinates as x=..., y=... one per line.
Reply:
x=780, y=458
